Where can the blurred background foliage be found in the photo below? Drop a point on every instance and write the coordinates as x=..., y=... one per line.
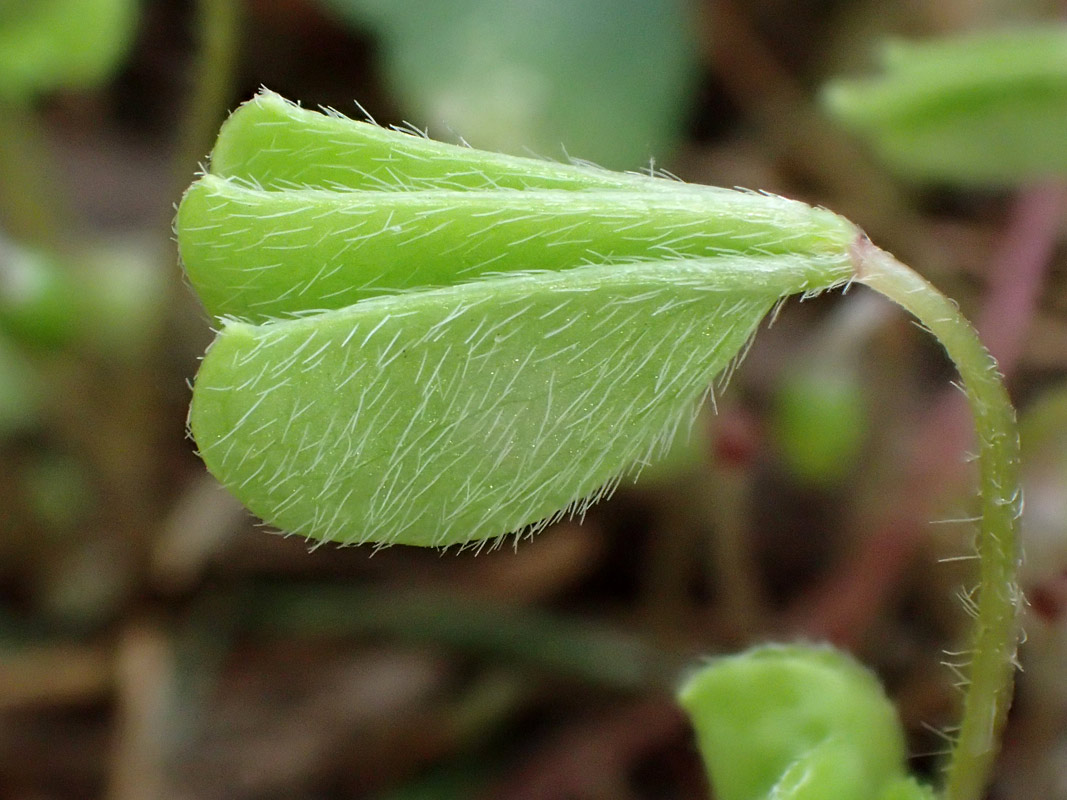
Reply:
x=155, y=642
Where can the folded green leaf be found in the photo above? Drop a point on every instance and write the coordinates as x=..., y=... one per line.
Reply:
x=988, y=108
x=377, y=212
x=436, y=366
x=260, y=255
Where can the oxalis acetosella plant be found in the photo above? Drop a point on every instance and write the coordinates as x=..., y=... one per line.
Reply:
x=421, y=343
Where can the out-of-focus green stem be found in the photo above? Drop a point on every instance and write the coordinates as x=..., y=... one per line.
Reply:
x=30, y=211
x=593, y=652
x=218, y=23
x=995, y=606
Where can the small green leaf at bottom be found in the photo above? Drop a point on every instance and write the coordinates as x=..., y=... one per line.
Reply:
x=797, y=723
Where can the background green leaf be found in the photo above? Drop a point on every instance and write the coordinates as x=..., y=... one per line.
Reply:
x=984, y=108
x=607, y=79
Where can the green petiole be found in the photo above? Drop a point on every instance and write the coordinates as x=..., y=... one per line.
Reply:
x=996, y=605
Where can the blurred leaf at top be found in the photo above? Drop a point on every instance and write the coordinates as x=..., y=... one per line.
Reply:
x=608, y=79
x=61, y=44
x=983, y=108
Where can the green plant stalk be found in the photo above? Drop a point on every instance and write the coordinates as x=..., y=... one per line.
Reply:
x=995, y=636
x=217, y=22
x=29, y=211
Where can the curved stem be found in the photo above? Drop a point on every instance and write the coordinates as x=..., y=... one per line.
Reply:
x=995, y=607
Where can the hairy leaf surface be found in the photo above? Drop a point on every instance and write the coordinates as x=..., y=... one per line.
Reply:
x=304, y=212
x=277, y=144
x=461, y=413
x=257, y=255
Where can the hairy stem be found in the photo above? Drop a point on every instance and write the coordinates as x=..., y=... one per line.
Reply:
x=995, y=606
